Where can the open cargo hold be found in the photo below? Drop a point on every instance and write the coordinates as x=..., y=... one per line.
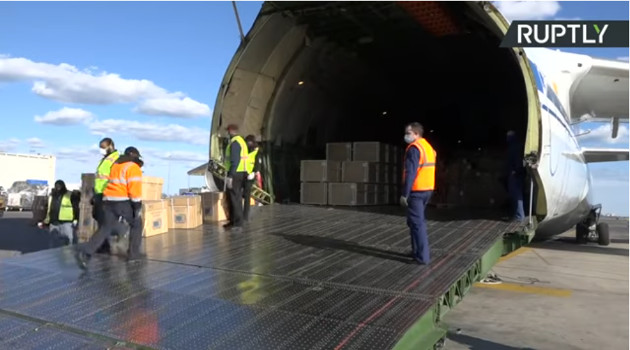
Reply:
x=348, y=89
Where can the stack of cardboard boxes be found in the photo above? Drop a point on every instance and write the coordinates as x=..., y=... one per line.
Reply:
x=159, y=215
x=359, y=173
x=87, y=225
x=471, y=180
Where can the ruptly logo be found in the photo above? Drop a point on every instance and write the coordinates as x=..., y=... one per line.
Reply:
x=567, y=34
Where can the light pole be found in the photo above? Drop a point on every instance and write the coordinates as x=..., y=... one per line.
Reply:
x=168, y=178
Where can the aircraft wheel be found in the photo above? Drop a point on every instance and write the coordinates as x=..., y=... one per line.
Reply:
x=581, y=234
x=440, y=344
x=603, y=237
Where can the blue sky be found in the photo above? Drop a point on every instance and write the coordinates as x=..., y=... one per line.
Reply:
x=147, y=74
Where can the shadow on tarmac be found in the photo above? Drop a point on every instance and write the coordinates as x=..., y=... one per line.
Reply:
x=18, y=232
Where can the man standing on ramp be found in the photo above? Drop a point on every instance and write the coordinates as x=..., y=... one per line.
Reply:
x=235, y=164
x=418, y=185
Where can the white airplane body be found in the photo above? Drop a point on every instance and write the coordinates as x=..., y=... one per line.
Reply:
x=573, y=88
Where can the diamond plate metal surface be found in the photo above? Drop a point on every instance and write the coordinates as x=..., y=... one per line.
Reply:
x=296, y=277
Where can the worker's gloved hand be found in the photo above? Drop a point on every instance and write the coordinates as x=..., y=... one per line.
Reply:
x=228, y=182
x=403, y=201
x=251, y=176
x=40, y=225
x=75, y=223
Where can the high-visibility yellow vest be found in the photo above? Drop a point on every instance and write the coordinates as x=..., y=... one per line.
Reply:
x=228, y=153
x=102, y=172
x=251, y=161
x=66, y=212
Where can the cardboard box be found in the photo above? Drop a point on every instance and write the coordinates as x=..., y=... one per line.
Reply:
x=87, y=225
x=384, y=197
x=395, y=155
x=320, y=171
x=385, y=173
x=152, y=188
x=214, y=206
x=394, y=194
x=314, y=193
x=339, y=151
x=184, y=212
x=371, y=194
x=396, y=175
x=155, y=215
x=359, y=172
x=370, y=152
x=87, y=187
x=347, y=194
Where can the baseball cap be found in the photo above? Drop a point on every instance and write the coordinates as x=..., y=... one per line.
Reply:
x=132, y=151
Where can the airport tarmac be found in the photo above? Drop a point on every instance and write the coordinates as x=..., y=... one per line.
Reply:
x=555, y=295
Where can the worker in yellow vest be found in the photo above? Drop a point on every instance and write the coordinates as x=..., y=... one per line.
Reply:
x=62, y=213
x=253, y=171
x=418, y=185
x=110, y=155
x=235, y=159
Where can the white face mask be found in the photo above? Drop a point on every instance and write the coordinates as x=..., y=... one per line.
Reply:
x=103, y=151
x=409, y=138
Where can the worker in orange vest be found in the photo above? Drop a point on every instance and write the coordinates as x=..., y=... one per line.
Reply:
x=418, y=185
x=122, y=203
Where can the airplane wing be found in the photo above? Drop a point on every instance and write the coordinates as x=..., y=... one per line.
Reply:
x=595, y=155
x=601, y=92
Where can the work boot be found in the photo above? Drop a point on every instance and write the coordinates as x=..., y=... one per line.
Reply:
x=136, y=258
x=82, y=259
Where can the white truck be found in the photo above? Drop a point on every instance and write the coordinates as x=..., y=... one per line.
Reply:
x=25, y=176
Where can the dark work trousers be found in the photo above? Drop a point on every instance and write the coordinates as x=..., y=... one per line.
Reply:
x=247, y=193
x=235, y=195
x=99, y=216
x=417, y=203
x=515, y=189
x=112, y=212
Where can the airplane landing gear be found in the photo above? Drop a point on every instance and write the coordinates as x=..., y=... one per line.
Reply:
x=591, y=230
x=603, y=237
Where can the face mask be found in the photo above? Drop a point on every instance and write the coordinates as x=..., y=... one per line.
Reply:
x=103, y=151
x=409, y=138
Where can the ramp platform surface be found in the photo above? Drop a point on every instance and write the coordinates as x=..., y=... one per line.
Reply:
x=295, y=277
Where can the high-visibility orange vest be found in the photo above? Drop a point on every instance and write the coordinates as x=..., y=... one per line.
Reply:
x=425, y=177
x=124, y=183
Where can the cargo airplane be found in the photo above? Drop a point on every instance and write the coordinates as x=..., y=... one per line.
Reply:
x=308, y=73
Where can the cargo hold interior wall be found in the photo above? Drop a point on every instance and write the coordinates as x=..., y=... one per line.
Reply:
x=367, y=69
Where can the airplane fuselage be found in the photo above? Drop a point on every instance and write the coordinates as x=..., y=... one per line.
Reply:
x=562, y=169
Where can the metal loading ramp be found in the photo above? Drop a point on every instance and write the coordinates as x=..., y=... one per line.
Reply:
x=297, y=277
